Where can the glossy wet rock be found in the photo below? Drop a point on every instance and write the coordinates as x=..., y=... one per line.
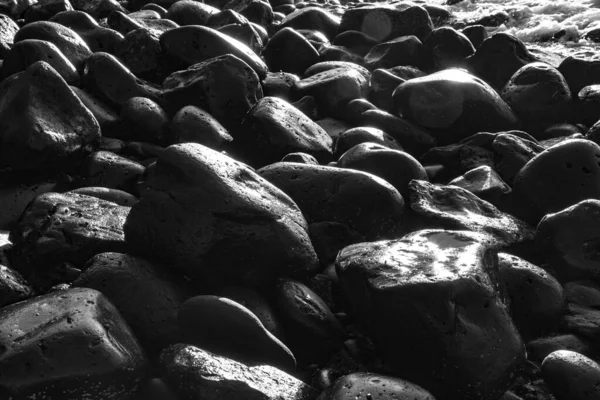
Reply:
x=452, y=207
x=329, y=237
x=245, y=33
x=68, y=229
x=312, y=18
x=96, y=37
x=581, y=314
x=363, y=134
x=274, y=128
x=190, y=371
x=97, y=8
x=226, y=328
x=357, y=42
x=253, y=231
x=289, y=51
x=580, y=72
x=540, y=348
x=446, y=48
x=141, y=52
x=424, y=297
x=383, y=83
x=404, y=50
x=257, y=11
x=375, y=386
x=143, y=120
x=44, y=124
x=512, y=153
x=146, y=295
x=70, y=345
x=193, y=124
x=453, y=104
x=110, y=170
x=323, y=66
x=186, y=12
x=485, y=183
x=14, y=198
x=362, y=201
x=571, y=376
x=114, y=195
x=13, y=287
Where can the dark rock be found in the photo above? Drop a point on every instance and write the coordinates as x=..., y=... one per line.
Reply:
x=44, y=124
x=106, y=116
x=46, y=10
x=226, y=17
x=224, y=327
x=403, y=50
x=58, y=229
x=142, y=53
x=96, y=37
x=493, y=20
x=8, y=30
x=15, y=8
x=312, y=18
x=252, y=231
x=274, y=128
x=445, y=48
x=189, y=12
x=245, y=33
x=356, y=41
x=330, y=237
x=431, y=304
x=377, y=387
x=299, y=157
x=113, y=195
x=14, y=198
x=315, y=37
x=194, y=125
x=329, y=65
x=476, y=34
x=69, y=345
x=289, y=51
x=190, y=371
x=454, y=105
x=109, y=170
x=539, y=349
x=512, y=153
x=363, y=134
x=580, y=72
x=339, y=53
x=486, y=184
x=571, y=376
x=13, y=287
x=257, y=11
x=588, y=101
x=382, y=85
x=144, y=120
x=98, y=8
x=280, y=84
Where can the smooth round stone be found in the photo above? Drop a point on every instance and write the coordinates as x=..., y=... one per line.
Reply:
x=339, y=53
x=329, y=65
x=13, y=287
x=302, y=158
x=484, y=182
x=539, y=95
x=446, y=48
x=383, y=84
x=145, y=119
x=357, y=42
x=193, y=124
x=375, y=387
x=580, y=72
x=329, y=237
x=96, y=37
x=280, y=84
x=363, y=134
x=476, y=34
x=245, y=33
x=224, y=327
x=404, y=50
x=571, y=376
x=8, y=30
x=189, y=12
x=289, y=51
x=120, y=197
x=312, y=18
x=539, y=349
x=454, y=105
x=560, y=177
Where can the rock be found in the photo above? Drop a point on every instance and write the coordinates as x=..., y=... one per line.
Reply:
x=66, y=40
x=329, y=65
x=69, y=345
x=355, y=41
x=8, y=30
x=224, y=327
x=14, y=198
x=383, y=83
x=195, y=44
x=582, y=316
x=289, y=51
x=453, y=104
x=430, y=301
x=571, y=376
x=192, y=124
x=190, y=370
x=224, y=86
x=559, y=177
x=252, y=231
x=44, y=124
x=476, y=34
x=377, y=387
x=146, y=296
x=331, y=53
x=362, y=134
x=452, y=207
x=14, y=8
x=106, y=116
x=540, y=348
x=311, y=330
x=498, y=58
x=128, y=23
x=539, y=95
x=588, y=100
x=141, y=52
x=188, y=12
x=536, y=297
x=144, y=120
x=512, y=153
x=396, y=167
x=313, y=18
x=98, y=8
x=329, y=238
x=333, y=89
x=300, y=158
x=259, y=12
x=446, y=48
x=580, y=72
x=274, y=128
x=403, y=50
x=386, y=22
x=245, y=33
x=486, y=184
x=280, y=84
x=226, y=17
x=362, y=201
x=113, y=195
x=96, y=37
x=109, y=170
x=61, y=229
x=13, y=287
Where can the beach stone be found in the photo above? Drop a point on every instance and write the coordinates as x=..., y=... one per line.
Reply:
x=300, y=158
x=580, y=72
x=355, y=41
x=97, y=38
x=113, y=195
x=69, y=344
x=14, y=8
x=68, y=229
x=395, y=166
x=289, y=51
x=407, y=72
x=44, y=124
x=110, y=170
x=476, y=34
x=245, y=33
x=125, y=24
x=582, y=316
x=453, y=104
x=498, y=58
x=190, y=370
x=188, y=12
x=363, y=202
x=539, y=95
x=362, y=134
x=13, y=287
x=329, y=237
x=486, y=184
x=106, y=77
x=403, y=50
x=225, y=87
x=386, y=22
x=512, y=153
x=559, y=177
x=143, y=120
x=445, y=48
x=8, y=30
x=383, y=83
x=224, y=327
x=106, y=116
x=141, y=52
x=258, y=11
x=535, y=297
x=315, y=37
x=226, y=17
x=146, y=295
x=452, y=207
x=571, y=376
x=280, y=84
x=312, y=331
x=378, y=387
x=588, y=100
x=15, y=196
x=333, y=89
x=66, y=40
x=442, y=342
x=329, y=65
x=539, y=349
x=274, y=128
x=195, y=44
x=253, y=231
x=24, y=53
x=313, y=18
x=339, y=53
x=192, y=124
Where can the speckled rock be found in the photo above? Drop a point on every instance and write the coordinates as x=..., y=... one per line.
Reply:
x=445, y=48
x=188, y=12
x=289, y=51
x=571, y=376
x=403, y=50
x=375, y=387
x=486, y=184
x=313, y=18
x=192, y=124
x=97, y=38
x=113, y=195
x=432, y=306
x=580, y=72
x=363, y=134
x=539, y=349
x=8, y=30
x=13, y=287
x=14, y=198
x=110, y=170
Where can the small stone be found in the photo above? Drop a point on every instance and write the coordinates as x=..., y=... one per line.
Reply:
x=571, y=376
